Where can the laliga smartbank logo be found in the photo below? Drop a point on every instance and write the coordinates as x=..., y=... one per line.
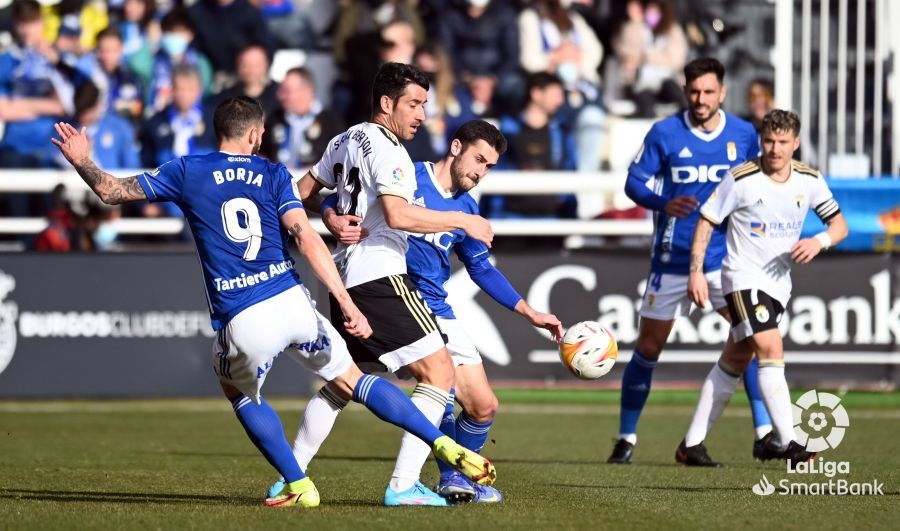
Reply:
x=820, y=423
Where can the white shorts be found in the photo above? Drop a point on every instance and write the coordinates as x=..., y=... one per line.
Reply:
x=461, y=347
x=666, y=296
x=245, y=349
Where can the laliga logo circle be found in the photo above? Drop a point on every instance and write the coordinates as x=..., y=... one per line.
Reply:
x=820, y=421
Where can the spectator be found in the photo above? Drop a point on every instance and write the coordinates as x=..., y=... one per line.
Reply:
x=139, y=27
x=291, y=27
x=61, y=222
x=31, y=91
x=760, y=100
x=658, y=49
x=298, y=135
x=481, y=39
x=98, y=228
x=252, y=67
x=179, y=129
x=393, y=41
x=442, y=102
x=538, y=141
x=557, y=40
x=120, y=86
x=224, y=28
x=361, y=22
x=176, y=49
x=475, y=98
x=88, y=16
x=112, y=136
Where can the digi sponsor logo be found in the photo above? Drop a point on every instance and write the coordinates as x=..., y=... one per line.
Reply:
x=699, y=174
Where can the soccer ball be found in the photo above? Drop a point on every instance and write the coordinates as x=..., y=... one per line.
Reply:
x=588, y=350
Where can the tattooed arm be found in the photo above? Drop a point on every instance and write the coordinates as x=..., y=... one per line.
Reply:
x=76, y=147
x=697, y=286
x=317, y=255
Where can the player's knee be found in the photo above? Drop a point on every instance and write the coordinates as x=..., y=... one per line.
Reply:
x=344, y=384
x=485, y=410
x=649, y=347
x=435, y=369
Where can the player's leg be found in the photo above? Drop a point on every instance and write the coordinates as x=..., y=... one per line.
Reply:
x=665, y=298
x=434, y=374
x=242, y=359
x=716, y=392
x=759, y=315
x=479, y=407
x=762, y=424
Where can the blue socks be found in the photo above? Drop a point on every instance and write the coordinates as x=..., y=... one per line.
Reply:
x=635, y=390
x=448, y=428
x=471, y=434
x=761, y=420
x=392, y=405
x=265, y=430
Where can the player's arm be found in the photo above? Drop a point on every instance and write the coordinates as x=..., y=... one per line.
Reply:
x=474, y=256
x=649, y=162
x=697, y=285
x=308, y=188
x=808, y=248
x=317, y=255
x=76, y=148
x=345, y=227
x=829, y=212
x=399, y=214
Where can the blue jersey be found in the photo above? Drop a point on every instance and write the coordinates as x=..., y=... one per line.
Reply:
x=684, y=160
x=233, y=204
x=428, y=257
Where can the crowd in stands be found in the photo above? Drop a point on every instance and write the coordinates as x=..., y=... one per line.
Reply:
x=143, y=76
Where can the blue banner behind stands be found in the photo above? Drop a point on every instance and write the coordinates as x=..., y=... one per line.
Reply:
x=872, y=210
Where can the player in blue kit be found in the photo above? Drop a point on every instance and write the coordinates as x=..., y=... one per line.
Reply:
x=243, y=211
x=687, y=155
x=444, y=186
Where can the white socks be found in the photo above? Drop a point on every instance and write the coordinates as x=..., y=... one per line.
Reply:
x=431, y=401
x=777, y=397
x=714, y=397
x=318, y=420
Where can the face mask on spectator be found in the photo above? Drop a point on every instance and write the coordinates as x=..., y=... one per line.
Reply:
x=105, y=236
x=568, y=72
x=479, y=3
x=652, y=17
x=174, y=44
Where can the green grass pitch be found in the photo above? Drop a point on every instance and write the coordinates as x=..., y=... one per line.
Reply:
x=188, y=465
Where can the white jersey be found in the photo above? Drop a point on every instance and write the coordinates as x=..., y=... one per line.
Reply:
x=765, y=221
x=364, y=163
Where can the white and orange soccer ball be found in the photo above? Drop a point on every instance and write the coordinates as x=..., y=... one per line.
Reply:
x=588, y=350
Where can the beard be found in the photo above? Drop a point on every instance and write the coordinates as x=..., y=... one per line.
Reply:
x=256, y=148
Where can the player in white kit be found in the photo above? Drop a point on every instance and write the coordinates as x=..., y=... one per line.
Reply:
x=765, y=202
x=375, y=180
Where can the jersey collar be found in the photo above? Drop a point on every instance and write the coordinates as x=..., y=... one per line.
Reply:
x=704, y=135
x=429, y=167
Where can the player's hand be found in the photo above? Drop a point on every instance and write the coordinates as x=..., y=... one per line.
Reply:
x=345, y=228
x=805, y=250
x=682, y=206
x=479, y=228
x=698, y=289
x=548, y=322
x=355, y=322
x=73, y=144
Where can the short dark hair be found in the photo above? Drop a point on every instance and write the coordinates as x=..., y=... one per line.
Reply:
x=542, y=80
x=303, y=73
x=474, y=130
x=780, y=121
x=26, y=10
x=86, y=97
x=391, y=81
x=110, y=31
x=234, y=116
x=703, y=66
x=178, y=17
x=765, y=83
